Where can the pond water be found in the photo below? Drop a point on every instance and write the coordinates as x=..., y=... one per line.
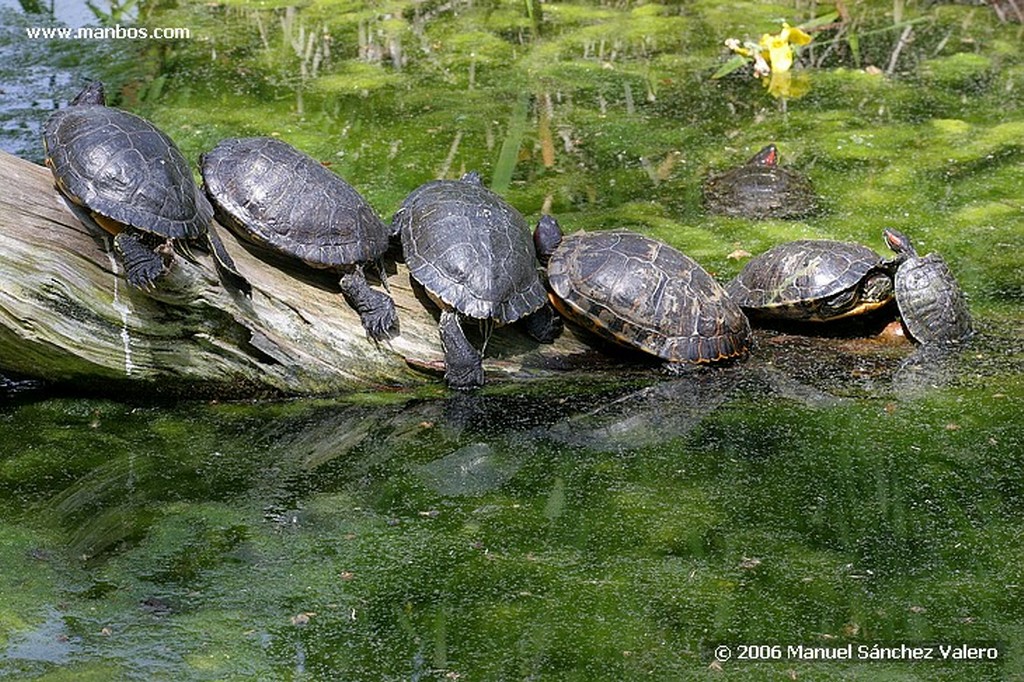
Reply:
x=827, y=492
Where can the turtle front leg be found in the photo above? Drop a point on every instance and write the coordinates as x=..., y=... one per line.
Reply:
x=463, y=366
x=544, y=325
x=376, y=310
x=142, y=264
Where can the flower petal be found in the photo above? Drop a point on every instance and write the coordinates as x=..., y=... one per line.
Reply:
x=780, y=56
x=798, y=37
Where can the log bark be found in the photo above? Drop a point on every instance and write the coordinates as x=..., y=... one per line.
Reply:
x=67, y=315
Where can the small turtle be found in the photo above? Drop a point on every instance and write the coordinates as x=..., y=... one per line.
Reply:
x=472, y=252
x=277, y=198
x=641, y=293
x=124, y=175
x=931, y=304
x=813, y=280
x=760, y=189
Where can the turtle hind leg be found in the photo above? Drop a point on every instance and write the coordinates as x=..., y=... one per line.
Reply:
x=142, y=264
x=463, y=366
x=225, y=264
x=376, y=310
x=544, y=325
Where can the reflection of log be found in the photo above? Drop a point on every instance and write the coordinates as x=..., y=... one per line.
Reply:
x=67, y=315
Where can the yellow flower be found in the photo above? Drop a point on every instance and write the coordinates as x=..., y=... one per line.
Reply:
x=779, y=46
x=773, y=54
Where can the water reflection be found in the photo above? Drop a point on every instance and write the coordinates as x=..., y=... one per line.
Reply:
x=506, y=530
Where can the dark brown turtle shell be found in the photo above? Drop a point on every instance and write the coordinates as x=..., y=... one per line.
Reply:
x=121, y=167
x=812, y=280
x=643, y=293
x=471, y=249
x=932, y=306
x=271, y=194
x=760, y=189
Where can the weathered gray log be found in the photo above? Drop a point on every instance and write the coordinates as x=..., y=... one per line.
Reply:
x=68, y=315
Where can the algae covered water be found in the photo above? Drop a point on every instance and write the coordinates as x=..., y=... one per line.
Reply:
x=826, y=495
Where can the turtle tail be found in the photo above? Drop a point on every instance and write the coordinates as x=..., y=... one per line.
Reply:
x=225, y=264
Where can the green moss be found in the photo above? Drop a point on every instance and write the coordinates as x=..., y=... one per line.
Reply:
x=958, y=71
x=26, y=579
x=358, y=79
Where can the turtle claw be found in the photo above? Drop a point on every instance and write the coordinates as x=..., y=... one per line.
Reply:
x=379, y=326
x=376, y=310
x=544, y=325
x=379, y=322
x=464, y=378
x=143, y=266
x=463, y=365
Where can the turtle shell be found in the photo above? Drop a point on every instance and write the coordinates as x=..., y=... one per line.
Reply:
x=122, y=167
x=470, y=249
x=643, y=293
x=931, y=303
x=812, y=280
x=760, y=189
x=272, y=195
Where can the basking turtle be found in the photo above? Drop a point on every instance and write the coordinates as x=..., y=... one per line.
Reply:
x=126, y=176
x=932, y=306
x=760, y=189
x=274, y=196
x=641, y=293
x=472, y=252
x=814, y=280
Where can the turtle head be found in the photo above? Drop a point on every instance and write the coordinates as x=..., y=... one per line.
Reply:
x=473, y=178
x=92, y=93
x=899, y=243
x=876, y=289
x=769, y=157
x=546, y=237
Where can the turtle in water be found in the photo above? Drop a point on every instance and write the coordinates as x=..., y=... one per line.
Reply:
x=283, y=201
x=472, y=253
x=813, y=280
x=931, y=304
x=760, y=189
x=121, y=173
x=641, y=293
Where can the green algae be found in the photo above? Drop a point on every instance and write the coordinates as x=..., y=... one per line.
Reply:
x=575, y=565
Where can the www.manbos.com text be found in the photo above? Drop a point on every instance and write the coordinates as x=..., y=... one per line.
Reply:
x=116, y=32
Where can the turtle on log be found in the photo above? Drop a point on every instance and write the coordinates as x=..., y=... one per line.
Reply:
x=472, y=253
x=123, y=175
x=281, y=200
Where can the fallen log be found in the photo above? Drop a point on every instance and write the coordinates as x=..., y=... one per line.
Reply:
x=68, y=316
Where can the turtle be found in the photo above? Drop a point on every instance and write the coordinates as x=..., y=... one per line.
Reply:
x=760, y=189
x=641, y=293
x=283, y=201
x=813, y=280
x=933, y=309
x=472, y=253
x=123, y=175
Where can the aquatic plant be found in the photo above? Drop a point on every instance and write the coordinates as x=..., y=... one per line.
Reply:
x=772, y=57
